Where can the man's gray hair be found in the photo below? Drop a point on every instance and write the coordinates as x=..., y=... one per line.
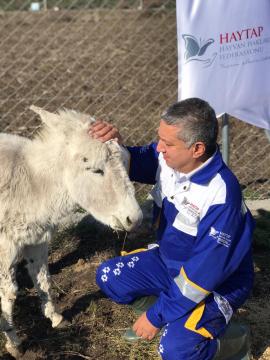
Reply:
x=197, y=120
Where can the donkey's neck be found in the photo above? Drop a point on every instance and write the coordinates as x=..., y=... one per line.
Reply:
x=45, y=159
x=45, y=154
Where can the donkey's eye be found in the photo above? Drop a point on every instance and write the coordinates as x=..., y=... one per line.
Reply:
x=98, y=171
x=85, y=159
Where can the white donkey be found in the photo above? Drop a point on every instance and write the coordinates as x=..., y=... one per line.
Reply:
x=41, y=180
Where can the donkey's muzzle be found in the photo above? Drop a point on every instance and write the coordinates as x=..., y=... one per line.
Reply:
x=132, y=222
x=128, y=223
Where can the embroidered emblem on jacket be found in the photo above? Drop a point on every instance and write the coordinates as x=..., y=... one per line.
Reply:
x=221, y=237
x=191, y=209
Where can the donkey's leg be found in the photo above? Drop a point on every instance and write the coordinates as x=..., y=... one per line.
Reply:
x=37, y=264
x=8, y=292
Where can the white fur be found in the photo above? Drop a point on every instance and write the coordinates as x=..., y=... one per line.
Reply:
x=41, y=180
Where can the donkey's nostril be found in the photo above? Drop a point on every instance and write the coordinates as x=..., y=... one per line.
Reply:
x=129, y=222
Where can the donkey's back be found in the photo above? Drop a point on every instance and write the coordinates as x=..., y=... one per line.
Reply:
x=11, y=149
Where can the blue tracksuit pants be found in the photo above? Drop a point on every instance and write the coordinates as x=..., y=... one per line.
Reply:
x=125, y=278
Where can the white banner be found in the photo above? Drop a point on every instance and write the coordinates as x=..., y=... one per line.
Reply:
x=224, y=56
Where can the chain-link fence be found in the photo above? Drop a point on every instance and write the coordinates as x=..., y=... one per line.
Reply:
x=114, y=59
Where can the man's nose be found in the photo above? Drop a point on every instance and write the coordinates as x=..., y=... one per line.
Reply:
x=160, y=147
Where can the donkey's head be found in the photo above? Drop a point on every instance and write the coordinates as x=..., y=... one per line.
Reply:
x=94, y=174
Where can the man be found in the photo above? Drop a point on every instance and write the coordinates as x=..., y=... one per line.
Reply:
x=202, y=269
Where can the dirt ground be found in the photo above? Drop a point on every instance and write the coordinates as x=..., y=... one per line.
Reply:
x=120, y=65
x=96, y=324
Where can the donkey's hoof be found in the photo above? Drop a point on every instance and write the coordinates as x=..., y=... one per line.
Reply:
x=15, y=351
x=63, y=324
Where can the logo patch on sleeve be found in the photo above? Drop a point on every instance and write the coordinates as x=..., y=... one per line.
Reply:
x=221, y=237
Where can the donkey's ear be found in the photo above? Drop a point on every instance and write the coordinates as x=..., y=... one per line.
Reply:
x=50, y=119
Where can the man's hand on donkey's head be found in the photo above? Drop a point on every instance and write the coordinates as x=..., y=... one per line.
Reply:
x=104, y=131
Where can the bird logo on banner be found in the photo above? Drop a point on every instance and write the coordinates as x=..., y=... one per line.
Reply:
x=196, y=49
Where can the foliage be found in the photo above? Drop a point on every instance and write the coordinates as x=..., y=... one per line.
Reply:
x=262, y=230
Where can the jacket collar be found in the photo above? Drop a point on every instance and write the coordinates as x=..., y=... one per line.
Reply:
x=206, y=172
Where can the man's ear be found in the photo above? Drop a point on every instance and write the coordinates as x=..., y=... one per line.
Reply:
x=199, y=149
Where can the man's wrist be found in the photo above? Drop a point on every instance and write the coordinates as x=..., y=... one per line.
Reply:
x=153, y=319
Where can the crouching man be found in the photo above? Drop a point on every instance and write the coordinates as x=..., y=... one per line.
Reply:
x=202, y=269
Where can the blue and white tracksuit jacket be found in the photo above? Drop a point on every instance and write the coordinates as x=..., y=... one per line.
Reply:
x=204, y=233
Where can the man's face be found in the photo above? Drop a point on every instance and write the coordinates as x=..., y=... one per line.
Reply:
x=175, y=152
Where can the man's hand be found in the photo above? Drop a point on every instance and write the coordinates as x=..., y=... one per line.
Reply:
x=104, y=131
x=144, y=328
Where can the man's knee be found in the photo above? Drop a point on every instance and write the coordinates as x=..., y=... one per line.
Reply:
x=109, y=278
x=102, y=275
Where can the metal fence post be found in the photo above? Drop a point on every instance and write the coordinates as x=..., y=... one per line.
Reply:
x=267, y=133
x=225, y=138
